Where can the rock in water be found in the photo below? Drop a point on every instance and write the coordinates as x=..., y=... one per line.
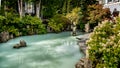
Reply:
x=16, y=46
x=22, y=43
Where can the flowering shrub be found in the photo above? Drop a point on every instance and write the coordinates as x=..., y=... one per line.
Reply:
x=104, y=45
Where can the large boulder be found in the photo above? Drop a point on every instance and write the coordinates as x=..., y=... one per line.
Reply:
x=4, y=36
x=22, y=43
x=16, y=46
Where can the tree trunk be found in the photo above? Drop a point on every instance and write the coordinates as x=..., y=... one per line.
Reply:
x=41, y=15
x=68, y=6
x=38, y=4
x=64, y=7
x=74, y=29
x=0, y=4
x=20, y=7
x=5, y=8
x=23, y=8
x=87, y=27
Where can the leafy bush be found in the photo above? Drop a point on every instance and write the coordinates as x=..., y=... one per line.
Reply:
x=104, y=45
x=96, y=14
x=2, y=18
x=75, y=15
x=81, y=26
x=33, y=25
x=11, y=24
x=26, y=26
x=58, y=23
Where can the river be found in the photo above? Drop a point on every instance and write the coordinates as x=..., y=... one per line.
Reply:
x=42, y=51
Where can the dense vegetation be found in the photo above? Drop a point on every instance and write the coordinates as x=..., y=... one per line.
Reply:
x=104, y=45
x=28, y=25
x=61, y=14
x=59, y=23
x=97, y=14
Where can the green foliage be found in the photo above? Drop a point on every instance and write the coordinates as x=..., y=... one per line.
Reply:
x=58, y=23
x=27, y=26
x=81, y=26
x=2, y=18
x=48, y=9
x=48, y=12
x=84, y=8
x=74, y=16
x=97, y=13
x=104, y=45
x=8, y=24
x=33, y=25
x=11, y=18
x=13, y=30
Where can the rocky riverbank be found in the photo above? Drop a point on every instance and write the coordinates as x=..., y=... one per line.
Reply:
x=83, y=62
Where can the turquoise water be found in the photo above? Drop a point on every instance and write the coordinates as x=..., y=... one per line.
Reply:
x=43, y=51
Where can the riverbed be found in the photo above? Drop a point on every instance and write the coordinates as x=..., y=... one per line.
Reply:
x=42, y=51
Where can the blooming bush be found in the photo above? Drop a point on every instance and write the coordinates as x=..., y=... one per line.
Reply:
x=104, y=45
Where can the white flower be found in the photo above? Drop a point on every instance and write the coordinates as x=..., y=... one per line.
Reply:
x=115, y=45
x=104, y=67
x=119, y=42
x=104, y=48
x=111, y=43
x=103, y=38
x=104, y=45
x=118, y=33
x=89, y=47
x=108, y=50
x=108, y=40
x=112, y=37
x=114, y=26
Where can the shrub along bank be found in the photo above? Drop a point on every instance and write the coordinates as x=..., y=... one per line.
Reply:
x=28, y=25
x=104, y=45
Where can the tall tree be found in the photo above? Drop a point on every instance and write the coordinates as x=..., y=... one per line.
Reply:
x=68, y=5
x=20, y=7
x=74, y=17
x=0, y=3
x=38, y=8
x=84, y=5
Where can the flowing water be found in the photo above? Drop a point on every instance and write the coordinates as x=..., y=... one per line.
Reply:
x=42, y=51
